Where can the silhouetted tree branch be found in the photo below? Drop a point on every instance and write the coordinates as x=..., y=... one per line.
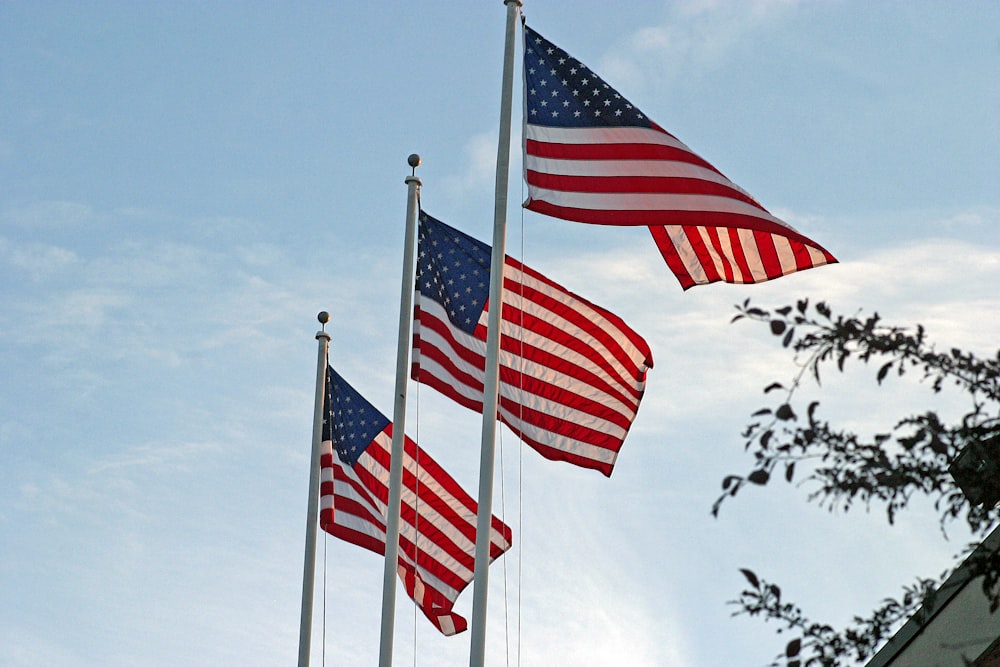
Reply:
x=841, y=467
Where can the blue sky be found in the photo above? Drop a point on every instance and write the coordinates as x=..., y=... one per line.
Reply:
x=185, y=185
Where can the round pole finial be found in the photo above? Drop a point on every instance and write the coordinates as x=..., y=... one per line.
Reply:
x=323, y=317
x=414, y=162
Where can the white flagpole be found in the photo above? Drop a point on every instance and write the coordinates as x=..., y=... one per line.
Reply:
x=484, y=516
x=309, y=562
x=399, y=420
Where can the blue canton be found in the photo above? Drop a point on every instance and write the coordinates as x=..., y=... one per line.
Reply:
x=351, y=422
x=560, y=91
x=453, y=269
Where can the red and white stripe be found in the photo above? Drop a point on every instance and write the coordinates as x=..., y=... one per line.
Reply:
x=706, y=227
x=571, y=373
x=437, y=539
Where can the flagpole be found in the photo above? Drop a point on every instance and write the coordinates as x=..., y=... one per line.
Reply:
x=477, y=653
x=309, y=562
x=399, y=420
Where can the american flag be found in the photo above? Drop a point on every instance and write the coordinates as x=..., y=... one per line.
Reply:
x=571, y=373
x=437, y=536
x=592, y=156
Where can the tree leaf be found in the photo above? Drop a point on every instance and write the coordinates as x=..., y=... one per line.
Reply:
x=793, y=648
x=759, y=477
x=787, y=340
x=882, y=372
x=784, y=412
x=751, y=577
x=777, y=327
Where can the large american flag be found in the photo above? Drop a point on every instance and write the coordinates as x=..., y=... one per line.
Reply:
x=437, y=537
x=571, y=373
x=592, y=156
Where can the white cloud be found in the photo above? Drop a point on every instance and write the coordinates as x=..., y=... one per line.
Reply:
x=50, y=214
x=479, y=158
x=38, y=260
x=698, y=35
x=982, y=219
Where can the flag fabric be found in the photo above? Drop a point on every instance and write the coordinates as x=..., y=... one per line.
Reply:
x=437, y=537
x=591, y=156
x=571, y=373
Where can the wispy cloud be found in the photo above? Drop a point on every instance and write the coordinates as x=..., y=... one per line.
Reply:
x=477, y=166
x=697, y=35
x=50, y=214
x=37, y=260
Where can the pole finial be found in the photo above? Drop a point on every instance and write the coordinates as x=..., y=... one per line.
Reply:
x=414, y=162
x=323, y=318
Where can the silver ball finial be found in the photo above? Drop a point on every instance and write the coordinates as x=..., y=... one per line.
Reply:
x=413, y=161
x=323, y=317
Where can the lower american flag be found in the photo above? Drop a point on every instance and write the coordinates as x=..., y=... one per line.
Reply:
x=571, y=373
x=591, y=156
x=437, y=517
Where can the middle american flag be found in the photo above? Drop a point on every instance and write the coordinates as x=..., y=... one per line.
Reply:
x=572, y=374
x=591, y=156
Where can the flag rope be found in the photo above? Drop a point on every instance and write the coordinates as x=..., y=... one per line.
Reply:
x=506, y=576
x=520, y=468
x=326, y=537
x=416, y=502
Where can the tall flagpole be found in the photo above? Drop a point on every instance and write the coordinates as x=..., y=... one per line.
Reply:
x=399, y=420
x=309, y=562
x=484, y=516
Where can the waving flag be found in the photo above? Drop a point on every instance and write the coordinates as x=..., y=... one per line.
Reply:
x=437, y=535
x=591, y=156
x=571, y=373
